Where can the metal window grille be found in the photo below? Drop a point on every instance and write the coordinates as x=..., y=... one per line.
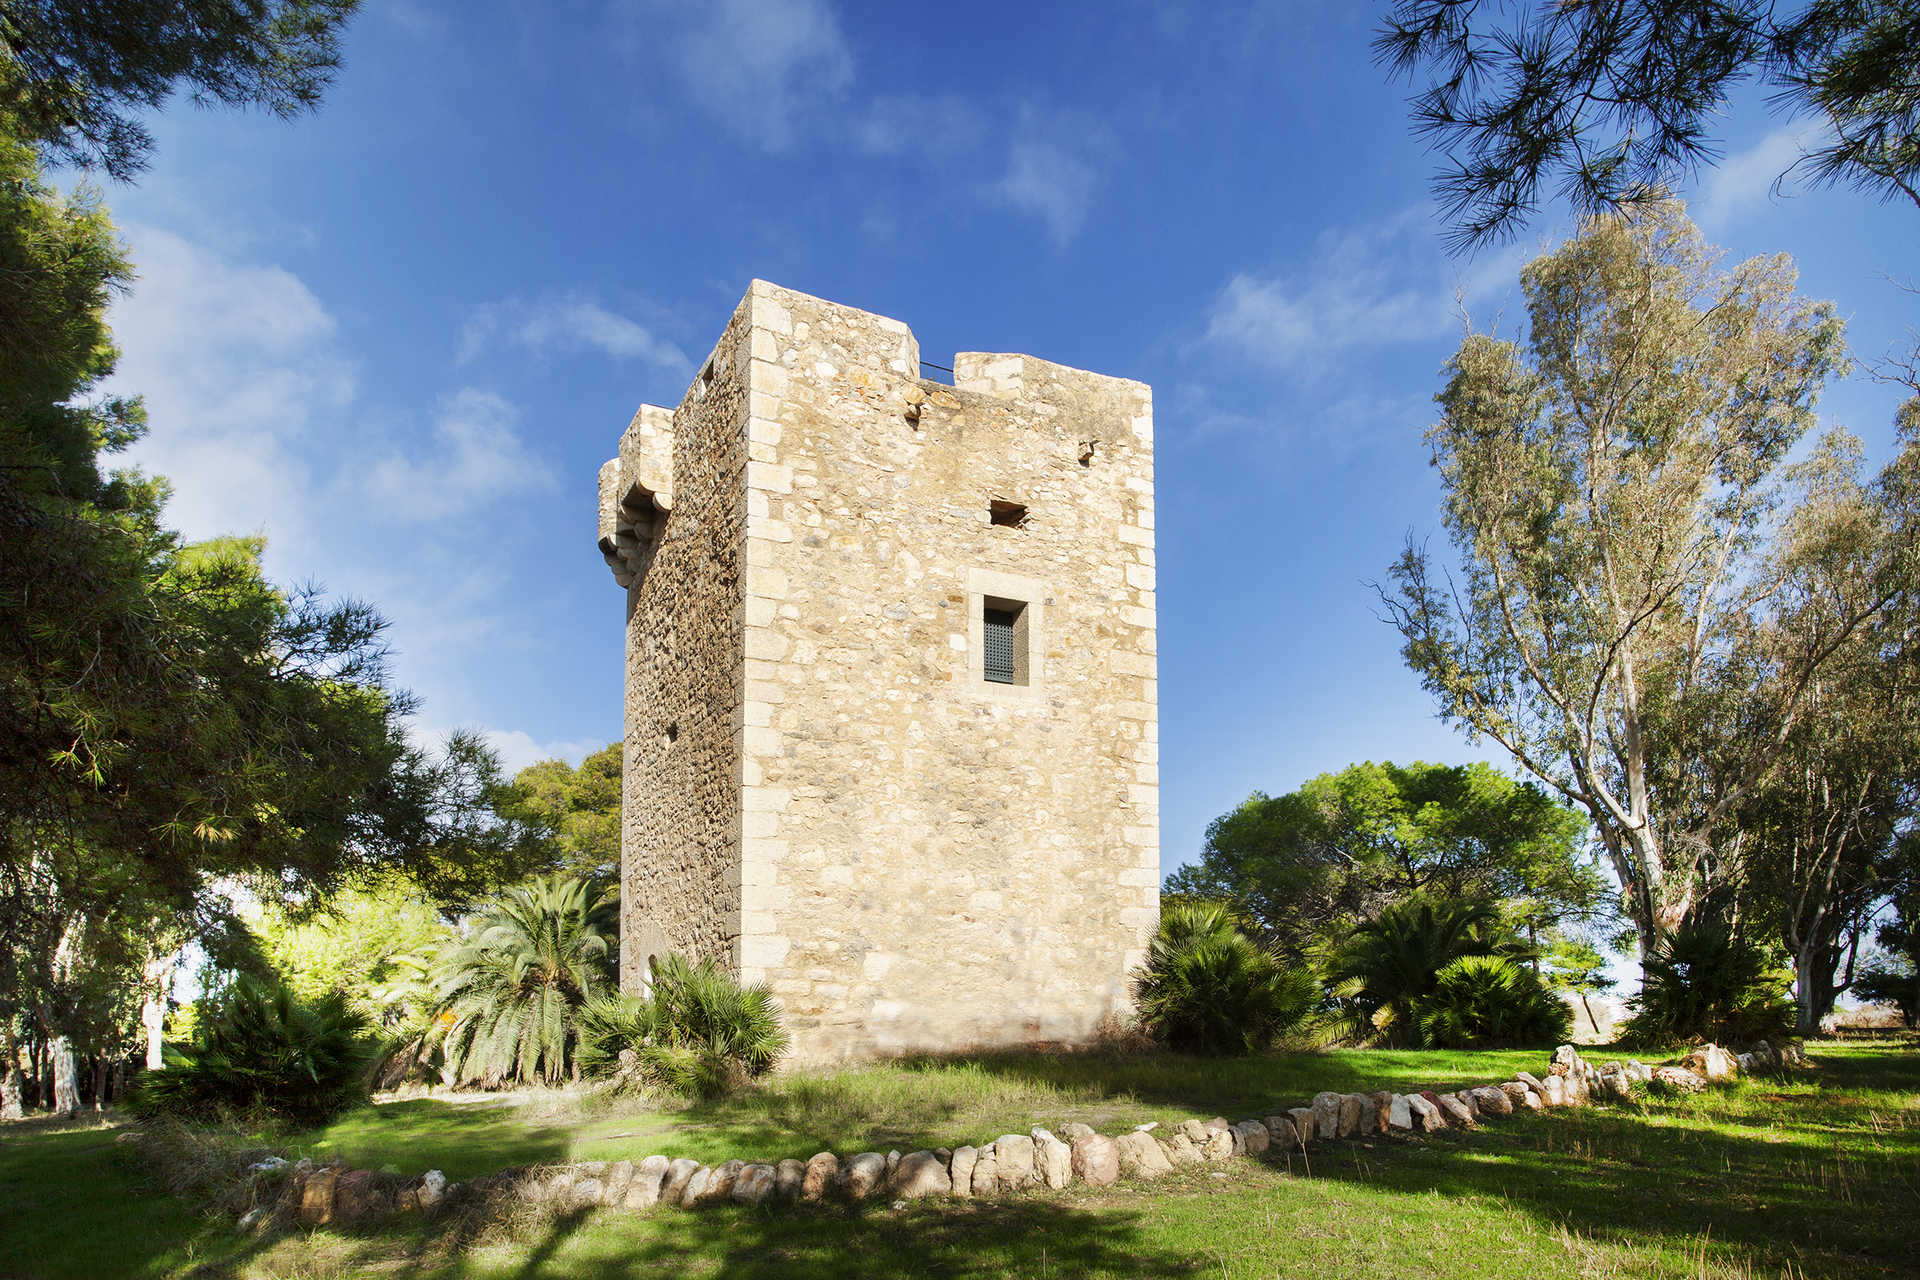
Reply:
x=998, y=640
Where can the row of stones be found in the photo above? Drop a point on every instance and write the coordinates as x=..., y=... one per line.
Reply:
x=1017, y=1162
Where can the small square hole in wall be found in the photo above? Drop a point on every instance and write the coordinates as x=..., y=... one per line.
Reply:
x=1008, y=515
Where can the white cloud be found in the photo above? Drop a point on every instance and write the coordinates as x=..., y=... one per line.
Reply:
x=762, y=68
x=1753, y=177
x=1358, y=287
x=567, y=324
x=1055, y=166
x=477, y=457
x=931, y=126
x=234, y=361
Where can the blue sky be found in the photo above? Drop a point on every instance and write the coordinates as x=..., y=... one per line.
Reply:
x=400, y=336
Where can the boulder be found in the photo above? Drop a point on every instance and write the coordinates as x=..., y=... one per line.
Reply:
x=1280, y=1133
x=588, y=1193
x=1141, y=1156
x=1304, y=1127
x=1400, y=1113
x=1382, y=1100
x=1679, y=1079
x=695, y=1188
x=1456, y=1111
x=1070, y=1132
x=1514, y=1091
x=1530, y=1080
x=1052, y=1159
x=1494, y=1100
x=1358, y=1115
x=1326, y=1114
x=960, y=1169
x=720, y=1182
x=1013, y=1156
x=1426, y=1115
x=755, y=1184
x=1218, y=1146
x=1253, y=1137
x=316, y=1196
x=1565, y=1059
x=1711, y=1062
x=1180, y=1150
x=1096, y=1160
x=789, y=1178
x=1194, y=1131
x=823, y=1172
x=643, y=1191
x=1554, y=1091
x=353, y=1196
x=1471, y=1103
x=619, y=1178
x=986, y=1171
x=920, y=1174
x=1531, y=1101
x=432, y=1189
x=864, y=1174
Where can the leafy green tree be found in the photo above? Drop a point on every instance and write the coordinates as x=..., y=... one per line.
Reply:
x=1310, y=865
x=581, y=807
x=1208, y=988
x=1611, y=100
x=1577, y=967
x=76, y=75
x=1625, y=626
x=1391, y=962
x=513, y=990
x=368, y=942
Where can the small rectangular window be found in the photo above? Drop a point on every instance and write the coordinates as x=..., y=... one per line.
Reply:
x=1003, y=641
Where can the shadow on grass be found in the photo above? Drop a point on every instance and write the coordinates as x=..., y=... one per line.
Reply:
x=1025, y=1236
x=1818, y=1175
x=462, y=1140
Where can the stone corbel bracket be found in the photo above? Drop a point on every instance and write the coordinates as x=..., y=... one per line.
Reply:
x=636, y=494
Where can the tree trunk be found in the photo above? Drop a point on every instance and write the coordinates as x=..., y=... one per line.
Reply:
x=12, y=1086
x=157, y=980
x=100, y=1083
x=66, y=1082
x=1591, y=1020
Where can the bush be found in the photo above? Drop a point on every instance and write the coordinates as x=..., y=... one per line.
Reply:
x=1889, y=981
x=1393, y=961
x=1487, y=1002
x=263, y=1052
x=1704, y=983
x=698, y=1034
x=1209, y=989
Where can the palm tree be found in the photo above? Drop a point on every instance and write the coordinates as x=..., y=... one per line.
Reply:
x=509, y=997
x=1395, y=958
x=1207, y=988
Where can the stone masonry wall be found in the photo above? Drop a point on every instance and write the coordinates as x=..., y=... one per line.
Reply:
x=929, y=861
x=680, y=797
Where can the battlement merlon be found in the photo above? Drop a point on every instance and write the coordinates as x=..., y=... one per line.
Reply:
x=636, y=492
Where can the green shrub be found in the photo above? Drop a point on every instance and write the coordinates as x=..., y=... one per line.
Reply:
x=1207, y=988
x=1394, y=960
x=697, y=1034
x=261, y=1051
x=1889, y=981
x=1490, y=1002
x=1704, y=983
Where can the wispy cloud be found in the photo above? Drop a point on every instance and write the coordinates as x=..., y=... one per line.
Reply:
x=1750, y=178
x=762, y=68
x=476, y=457
x=1056, y=164
x=933, y=126
x=1358, y=287
x=567, y=324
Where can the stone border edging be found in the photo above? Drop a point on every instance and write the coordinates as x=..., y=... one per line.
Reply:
x=321, y=1194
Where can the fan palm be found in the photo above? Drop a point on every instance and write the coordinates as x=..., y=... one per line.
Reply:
x=1395, y=958
x=1208, y=988
x=510, y=996
x=699, y=1033
x=1481, y=1001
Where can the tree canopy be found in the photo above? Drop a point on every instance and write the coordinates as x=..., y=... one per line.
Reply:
x=1310, y=865
x=1612, y=100
x=580, y=807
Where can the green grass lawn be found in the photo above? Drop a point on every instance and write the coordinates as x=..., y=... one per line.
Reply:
x=1817, y=1177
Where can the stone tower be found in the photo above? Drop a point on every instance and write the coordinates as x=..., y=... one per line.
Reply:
x=891, y=725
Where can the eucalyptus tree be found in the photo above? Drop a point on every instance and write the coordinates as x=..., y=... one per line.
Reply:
x=1612, y=486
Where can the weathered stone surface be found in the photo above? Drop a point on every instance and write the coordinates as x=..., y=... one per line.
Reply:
x=921, y=1174
x=673, y=1186
x=986, y=1172
x=1382, y=1100
x=1069, y=1132
x=865, y=1173
x=720, y=1182
x=754, y=1185
x=619, y=1177
x=1052, y=1159
x=696, y=1187
x=432, y=1189
x=1456, y=1111
x=1400, y=1112
x=1617, y=1085
x=1253, y=1137
x=1218, y=1146
x=1425, y=1115
x=806, y=548
x=1180, y=1150
x=1471, y=1103
x=1141, y=1156
x=1194, y=1131
x=1326, y=1114
x=823, y=1172
x=1553, y=1091
x=961, y=1171
x=1014, y=1162
x=1529, y=1080
x=644, y=1191
x=1565, y=1059
x=588, y=1193
x=1281, y=1133
x=1358, y=1115
x=1531, y=1101
x=316, y=1196
x=1712, y=1063
x=1304, y=1126
x=1096, y=1160
x=1680, y=1079
x=1493, y=1100
x=789, y=1178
